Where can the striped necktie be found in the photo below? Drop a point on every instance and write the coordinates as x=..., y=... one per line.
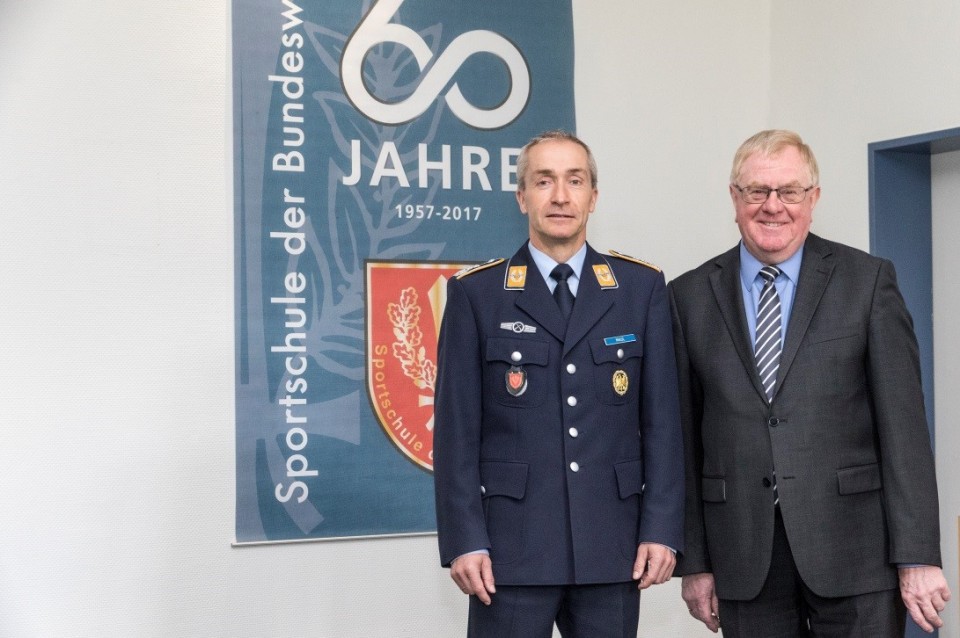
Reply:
x=768, y=344
x=769, y=340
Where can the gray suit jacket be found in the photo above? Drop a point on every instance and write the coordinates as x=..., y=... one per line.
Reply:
x=846, y=430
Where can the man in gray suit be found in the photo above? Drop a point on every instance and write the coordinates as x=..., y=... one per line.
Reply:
x=811, y=492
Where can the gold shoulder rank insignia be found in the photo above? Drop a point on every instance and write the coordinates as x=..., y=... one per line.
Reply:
x=469, y=270
x=634, y=260
x=516, y=278
x=604, y=276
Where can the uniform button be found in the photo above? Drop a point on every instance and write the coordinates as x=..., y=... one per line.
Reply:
x=573, y=432
x=766, y=482
x=620, y=353
x=483, y=490
x=516, y=356
x=571, y=401
x=773, y=421
x=575, y=467
x=571, y=368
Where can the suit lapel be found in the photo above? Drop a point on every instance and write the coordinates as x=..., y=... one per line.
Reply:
x=815, y=272
x=725, y=281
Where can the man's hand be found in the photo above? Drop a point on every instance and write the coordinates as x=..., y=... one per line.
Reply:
x=473, y=574
x=925, y=593
x=654, y=564
x=700, y=594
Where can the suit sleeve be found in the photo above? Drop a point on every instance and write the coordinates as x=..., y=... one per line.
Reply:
x=458, y=415
x=661, y=516
x=696, y=558
x=907, y=464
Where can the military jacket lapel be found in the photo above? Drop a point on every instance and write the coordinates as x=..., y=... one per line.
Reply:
x=592, y=301
x=591, y=304
x=535, y=298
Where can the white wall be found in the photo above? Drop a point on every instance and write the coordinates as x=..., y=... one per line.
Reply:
x=116, y=269
x=945, y=216
x=660, y=100
x=850, y=73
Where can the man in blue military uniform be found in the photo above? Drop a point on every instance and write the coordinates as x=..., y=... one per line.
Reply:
x=558, y=450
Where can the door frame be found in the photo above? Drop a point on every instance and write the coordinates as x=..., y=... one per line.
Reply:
x=901, y=229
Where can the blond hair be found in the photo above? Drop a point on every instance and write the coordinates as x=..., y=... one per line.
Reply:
x=772, y=142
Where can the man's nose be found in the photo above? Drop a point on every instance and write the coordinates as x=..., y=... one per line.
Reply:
x=560, y=193
x=772, y=204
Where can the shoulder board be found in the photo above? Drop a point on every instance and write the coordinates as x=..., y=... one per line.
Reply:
x=634, y=260
x=469, y=270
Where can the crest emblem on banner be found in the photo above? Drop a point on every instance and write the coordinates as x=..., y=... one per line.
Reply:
x=405, y=302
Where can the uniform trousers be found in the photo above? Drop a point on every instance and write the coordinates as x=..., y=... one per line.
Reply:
x=786, y=608
x=579, y=611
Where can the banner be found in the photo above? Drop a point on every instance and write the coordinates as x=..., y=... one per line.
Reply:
x=375, y=149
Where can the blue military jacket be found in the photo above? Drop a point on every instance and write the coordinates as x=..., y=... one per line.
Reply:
x=557, y=447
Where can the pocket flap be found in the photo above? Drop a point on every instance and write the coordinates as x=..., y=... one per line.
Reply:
x=840, y=332
x=714, y=489
x=531, y=351
x=629, y=478
x=503, y=478
x=863, y=478
x=602, y=353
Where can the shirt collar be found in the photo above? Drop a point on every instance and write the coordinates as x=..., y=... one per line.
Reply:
x=750, y=266
x=546, y=264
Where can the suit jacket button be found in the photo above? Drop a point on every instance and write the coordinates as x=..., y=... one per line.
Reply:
x=773, y=422
x=573, y=432
x=483, y=490
x=516, y=356
x=571, y=401
x=575, y=467
x=571, y=368
x=766, y=482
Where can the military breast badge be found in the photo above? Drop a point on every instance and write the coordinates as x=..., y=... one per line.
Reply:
x=516, y=381
x=620, y=382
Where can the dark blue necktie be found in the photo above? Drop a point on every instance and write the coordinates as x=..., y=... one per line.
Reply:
x=562, y=292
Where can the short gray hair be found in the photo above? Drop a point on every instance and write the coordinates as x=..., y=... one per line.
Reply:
x=547, y=136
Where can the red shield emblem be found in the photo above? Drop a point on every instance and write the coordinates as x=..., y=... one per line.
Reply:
x=404, y=306
x=516, y=381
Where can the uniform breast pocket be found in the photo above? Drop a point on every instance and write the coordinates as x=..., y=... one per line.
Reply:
x=516, y=371
x=616, y=370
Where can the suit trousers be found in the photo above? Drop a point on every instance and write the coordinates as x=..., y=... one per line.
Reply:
x=579, y=611
x=786, y=608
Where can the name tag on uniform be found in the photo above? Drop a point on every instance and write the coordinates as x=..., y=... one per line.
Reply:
x=615, y=341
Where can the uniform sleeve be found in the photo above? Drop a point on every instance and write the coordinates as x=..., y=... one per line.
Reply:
x=909, y=479
x=456, y=437
x=661, y=516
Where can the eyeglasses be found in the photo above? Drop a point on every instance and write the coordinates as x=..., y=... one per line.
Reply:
x=760, y=194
